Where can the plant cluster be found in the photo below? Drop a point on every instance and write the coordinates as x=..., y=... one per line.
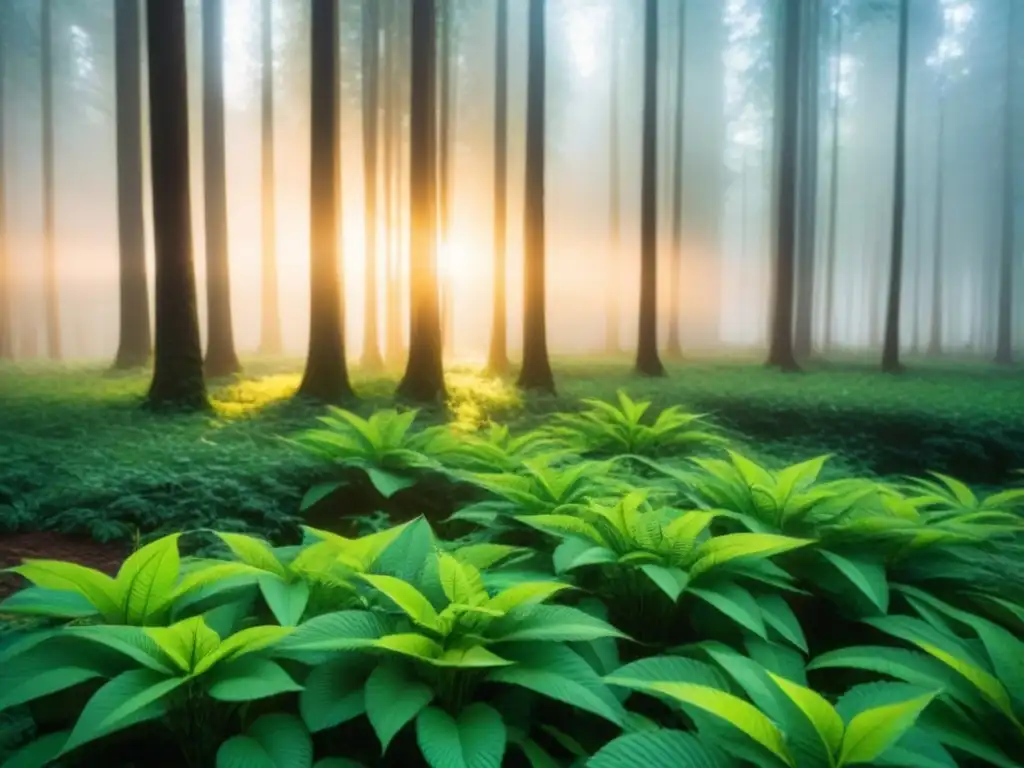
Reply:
x=583, y=611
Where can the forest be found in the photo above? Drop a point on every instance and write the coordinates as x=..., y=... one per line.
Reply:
x=511, y=383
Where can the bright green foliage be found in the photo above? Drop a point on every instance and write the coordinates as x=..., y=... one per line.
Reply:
x=497, y=450
x=275, y=741
x=608, y=429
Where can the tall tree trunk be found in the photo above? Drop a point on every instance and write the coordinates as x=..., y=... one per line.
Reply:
x=935, y=329
x=444, y=159
x=270, y=313
x=833, y=189
x=372, y=360
x=780, y=351
x=808, y=187
x=536, y=371
x=178, y=356
x=1004, y=303
x=51, y=297
x=674, y=346
x=392, y=183
x=891, y=347
x=613, y=287
x=497, y=358
x=134, y=345
x=326, y=375
x=424, y=373
x=647, y=361
x=221, y=359
x=6, y=272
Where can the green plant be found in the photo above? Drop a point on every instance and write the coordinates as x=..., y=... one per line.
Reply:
x=276, y=740
x=497, y=450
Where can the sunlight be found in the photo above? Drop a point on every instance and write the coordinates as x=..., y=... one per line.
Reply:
x=452, y=260
x=241, y=30
x=583, y=24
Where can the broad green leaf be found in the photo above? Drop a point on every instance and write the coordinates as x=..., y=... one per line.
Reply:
x=254, y=552
x=394, y=699
x=98, y=588
x=273, y=741
x=410, y=644
x=779, y=616
x=409, y=599
x=871, y=733
x=461, y=582
x=40, y=753
x=55, y=603
x=552, y=623
x=42, y=682
x=658, y=749
x=484, y=555
x=145, y=582
x=248, y=640
x=250, y=678
x=671, y=581
x=340, y=630
x=475, y=656
x=185, y=642
x=719, y=550
x=334, y=691
x=388, y=483
x=133, y=642
x=736, y=603
x=822, y=715
x=527, y=593
x=867, y=577
x=555, y=686
x=286, y=600
x=477, y=739
x=564, y=525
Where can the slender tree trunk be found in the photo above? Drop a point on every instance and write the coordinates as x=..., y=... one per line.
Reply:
x=808, y=188
x=613, y=289
x=674, y=346
x=392, y=183
x=647, y=361
x=51, y=296
x=424, y=373
x=891, y=347
x=444, y=149
x=326, y=375
x=536, y=371
x=833, y=190
x=497, y=358
x=134, y=345
x=6, y=272
x=178, y=357
x=270, y=313
x=1004, y=303
x=915, y=328
x=372, y=360
x=780, y=351
x=935, y=330
x=221, y=359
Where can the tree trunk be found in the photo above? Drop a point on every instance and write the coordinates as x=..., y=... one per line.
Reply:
x=808, y=188
x=536, y=371
x=891, y=347
x=424, y=373
x=833, y=192
x=780, y=351
x=392, y=183
x=221, y=359
x=270, y=313
x=444, y=170
x=326, y=375
x=372, y=360
x=134, y=346
x=674, y=346
x=178, y=357
x=51, y=297
x=6, y=272
x=497, y=358
x=613, y=289
x=647, y=361
x=935, y=330
x=1004, y=303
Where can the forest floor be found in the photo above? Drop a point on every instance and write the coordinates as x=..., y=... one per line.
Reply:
x=79, y=456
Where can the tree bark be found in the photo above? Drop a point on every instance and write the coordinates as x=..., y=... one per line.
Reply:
x=935, y=330
x=613, y=288
x=833, y=192
x=221, y=359
x=1004, y=302
x=780, y=351
x=270, y=313
x=134, y=346
x=444, y=173
x=647, y=361
x=178, y=358
x=891, y=346
x=51, y=295
x=536, y=370
x=497, y=358
x=326, y=375
x=393, y=155
x=424, y=373
x=674, y=346
x=372, y=360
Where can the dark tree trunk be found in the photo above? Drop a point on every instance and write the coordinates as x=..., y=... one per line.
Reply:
x=808, y=188
x=51, y=296
x=326, y=375
x=780, y=351
x=270, y=314
x=647, y=361
x=674, y=346
x=6, y=273
x=424, y=373
x=614, y=182
x=497, y=358
x=221, y=359
x=536, y=371
x=392, y=183
x=1004, y=303
x=444, y=161
x=178, y=357
x=833, y=193
x=134, y=346
x=891, y=347
x=935, y=329
x=372, y=360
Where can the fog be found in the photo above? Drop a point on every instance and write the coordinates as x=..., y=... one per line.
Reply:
x=960, y=71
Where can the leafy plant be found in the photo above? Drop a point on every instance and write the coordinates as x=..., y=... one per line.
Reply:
x=497, y=450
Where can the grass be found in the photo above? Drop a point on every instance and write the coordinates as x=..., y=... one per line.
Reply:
x=78, y=454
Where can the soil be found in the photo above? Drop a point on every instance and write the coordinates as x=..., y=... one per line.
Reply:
x=47, y=545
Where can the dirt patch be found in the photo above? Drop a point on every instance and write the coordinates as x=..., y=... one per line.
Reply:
x=47, y=545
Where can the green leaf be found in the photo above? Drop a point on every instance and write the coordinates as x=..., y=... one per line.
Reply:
x=527, y=593
x=779, y=616
x=394, y=699
x=96, y=587
x=39, y=601
x=658, y=749
x=671, y=581
x=388, y=483
x=409, y=599
x=42, y=682
x=40, y=753
x=334, y=691
x=145, y=582
x=867, y=577
x=736, y=603
x=461, y=582
x=720, y=550
x=249, y=679
x=340, y=630
x=286, y=600
x=822, y=715
x=872, y=732
x=254, y=552
x=558, y=687
x=318, y=493
x=275, y=741
x=477, y=739
x=554, y=623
